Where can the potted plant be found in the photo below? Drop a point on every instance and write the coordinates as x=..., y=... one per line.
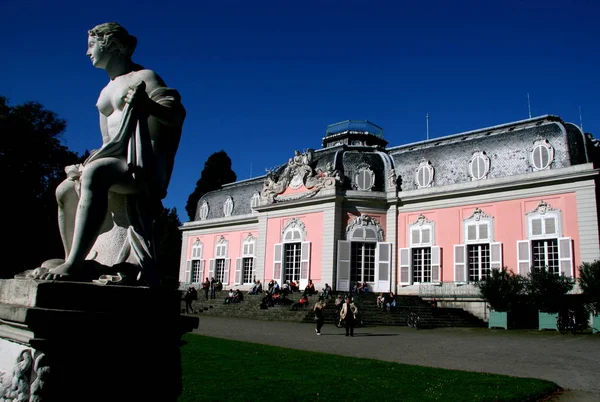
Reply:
x=500, y=290
x=589, y=281
x=548, y=292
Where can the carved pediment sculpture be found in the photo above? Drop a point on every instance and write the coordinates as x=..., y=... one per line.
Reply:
x=297, y=173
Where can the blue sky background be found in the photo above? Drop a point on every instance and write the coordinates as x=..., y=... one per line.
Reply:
x=260, y=79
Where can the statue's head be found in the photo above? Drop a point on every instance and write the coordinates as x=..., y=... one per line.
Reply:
x=112, y=37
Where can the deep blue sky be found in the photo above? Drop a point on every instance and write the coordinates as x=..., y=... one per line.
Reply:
x=260, y=79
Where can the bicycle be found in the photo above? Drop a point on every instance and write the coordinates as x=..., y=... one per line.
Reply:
x=413, y=320
x=567, y=322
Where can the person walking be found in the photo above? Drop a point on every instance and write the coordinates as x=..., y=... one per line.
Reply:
x=189, y=297
x=348, y=314
x=318, y=309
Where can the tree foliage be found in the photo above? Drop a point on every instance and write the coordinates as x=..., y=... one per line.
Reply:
x=547, y=290
x=32, y=161
x=501, y=289
x=589, y=280
x=217, y=172
x=167, y=244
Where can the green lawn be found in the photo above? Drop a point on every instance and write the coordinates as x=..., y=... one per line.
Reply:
x=223, y=370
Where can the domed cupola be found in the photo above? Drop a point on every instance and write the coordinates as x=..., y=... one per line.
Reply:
x=354, y=133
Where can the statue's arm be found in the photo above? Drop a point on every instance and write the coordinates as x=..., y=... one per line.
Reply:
x=165, y=108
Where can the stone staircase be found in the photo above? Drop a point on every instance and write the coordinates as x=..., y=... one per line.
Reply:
x=250, y=307
x=369, y=313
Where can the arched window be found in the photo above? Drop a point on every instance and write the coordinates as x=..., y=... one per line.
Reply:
x=424, y=174
x=292, y=256
x=244, y=266
x=542, y=155
x=364, y=178
x=219, y=266
x=228, y=206
x=479, y=166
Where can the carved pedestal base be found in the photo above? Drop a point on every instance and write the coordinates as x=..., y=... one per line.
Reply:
x=81, y=342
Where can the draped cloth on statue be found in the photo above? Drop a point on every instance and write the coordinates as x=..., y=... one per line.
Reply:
x=127, y=233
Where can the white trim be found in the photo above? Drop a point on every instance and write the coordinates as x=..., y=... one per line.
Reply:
x=523, y=257
x=460, y=263
x=405, y=266
x=565, y=256
x=436, y=268
x=496, y=255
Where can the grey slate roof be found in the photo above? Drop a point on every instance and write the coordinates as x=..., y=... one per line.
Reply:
x=508, y=147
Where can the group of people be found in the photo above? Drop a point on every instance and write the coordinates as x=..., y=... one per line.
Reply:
x=347, y=312
x=386, y=301
x=234, y=296
x=360, y=288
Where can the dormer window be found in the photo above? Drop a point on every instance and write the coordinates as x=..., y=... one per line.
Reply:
x=364, y=179
x=424, y=174
x=479, y=166
x=542, y=155
x=254, y=201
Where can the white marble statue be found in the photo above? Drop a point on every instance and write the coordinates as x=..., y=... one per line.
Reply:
x=106, y=205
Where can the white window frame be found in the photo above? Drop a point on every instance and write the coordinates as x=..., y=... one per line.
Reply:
x=545, y=222
x=541, y=145
x=477, y=229
x=421, y=234
x=424, y=167
x=479, y=156
x=248, y=251
x=368, y=181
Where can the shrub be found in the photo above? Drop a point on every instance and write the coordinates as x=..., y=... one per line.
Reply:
x=589, y=280
x=501, y=289
x=547, y=290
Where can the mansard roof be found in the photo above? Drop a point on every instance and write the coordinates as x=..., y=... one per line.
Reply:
x=337, y=167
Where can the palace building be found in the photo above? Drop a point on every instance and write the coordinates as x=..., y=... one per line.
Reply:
x=428, y=218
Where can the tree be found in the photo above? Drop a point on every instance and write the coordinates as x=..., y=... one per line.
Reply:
x=167, y=244
x=217, y=172
x=589, y=280
x=32, y=162
x=547, y=290
x=502, y=289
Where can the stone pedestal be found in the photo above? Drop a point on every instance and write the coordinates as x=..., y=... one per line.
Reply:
x=63, y=341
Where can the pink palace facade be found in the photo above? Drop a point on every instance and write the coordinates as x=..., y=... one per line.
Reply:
x=429, y=218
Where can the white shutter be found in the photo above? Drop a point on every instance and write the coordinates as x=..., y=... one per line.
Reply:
x=202, y=267
x=304, y=260
x=188, y=271
x=523, y=262
x=226, y=271
x=435, y=264
x=383, y=257
x=405, y=267
x=277, y=261
x=343, y=266
x=565, y=256
x=460, y=266
x=496, y=255
x=238, y=271
x=211, y=269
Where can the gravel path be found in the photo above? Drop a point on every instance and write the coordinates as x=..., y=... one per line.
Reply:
x=573, y=362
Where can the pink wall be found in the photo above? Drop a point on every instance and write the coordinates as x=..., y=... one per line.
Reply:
x=234, y=248
x=314, y=231
x=509, y=223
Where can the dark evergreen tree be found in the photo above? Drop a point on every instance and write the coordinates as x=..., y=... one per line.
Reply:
x=167, y=238
x=32, y=162
x=217, y=172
